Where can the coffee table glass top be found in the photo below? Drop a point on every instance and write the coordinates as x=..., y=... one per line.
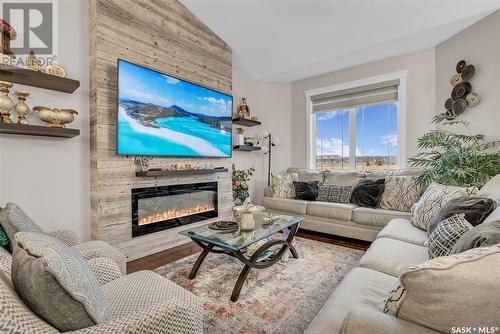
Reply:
x=264, y=227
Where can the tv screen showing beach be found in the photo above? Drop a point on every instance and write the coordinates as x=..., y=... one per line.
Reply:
x=165, y=116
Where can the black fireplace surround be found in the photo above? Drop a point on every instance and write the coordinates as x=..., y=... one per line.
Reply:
x=159, y=208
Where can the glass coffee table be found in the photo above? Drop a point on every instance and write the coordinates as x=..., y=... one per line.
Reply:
x=236, y=243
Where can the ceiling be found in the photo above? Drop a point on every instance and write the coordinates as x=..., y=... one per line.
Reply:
x=280, y=40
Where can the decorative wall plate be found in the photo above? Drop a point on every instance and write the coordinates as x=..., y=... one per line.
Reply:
x=455, y=79
x=468, y=72
x=472, y=99
x=459, y=106
x=461, y=90
x=460, y=66
x=448, y=104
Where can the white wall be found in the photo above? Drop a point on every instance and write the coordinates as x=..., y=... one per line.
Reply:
x=420, y=96
x=270, y=102
x=479, y=45
x=48, y=177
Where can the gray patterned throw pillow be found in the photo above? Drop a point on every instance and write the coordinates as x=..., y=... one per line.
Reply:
x=13, y=220
x=433, y=200
x=56, y=282
x=400, y=193
x=282, y=185
x=446, y=234
x=334, y=193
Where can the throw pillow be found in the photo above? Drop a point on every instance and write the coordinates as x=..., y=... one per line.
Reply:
x=476, y=209
x=439, y=293
x=334, y=193
x=307, y=191
x=433, y=200
x=13, y=220
x=4, y=239
x=486, y=234
x=282, y=185
x=446, y=234
x=367, y=192
x=56, y=282
x=400, y=193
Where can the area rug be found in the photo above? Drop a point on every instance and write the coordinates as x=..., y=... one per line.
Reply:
x=283, y=298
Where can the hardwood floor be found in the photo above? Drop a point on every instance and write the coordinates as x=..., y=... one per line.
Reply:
x=170, y=255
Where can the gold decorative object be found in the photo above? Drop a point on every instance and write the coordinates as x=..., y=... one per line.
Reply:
x=7, y=34
x=244, y=108
x=21, y=108
x=33, y=62
x=57, y=118
x=56, y=70
x=6, y=103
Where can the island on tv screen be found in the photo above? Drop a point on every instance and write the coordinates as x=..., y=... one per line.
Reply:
x=162, y=115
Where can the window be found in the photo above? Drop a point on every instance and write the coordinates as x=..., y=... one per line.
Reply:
x=356, y=128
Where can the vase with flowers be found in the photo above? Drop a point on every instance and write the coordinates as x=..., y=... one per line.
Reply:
x=240, y=178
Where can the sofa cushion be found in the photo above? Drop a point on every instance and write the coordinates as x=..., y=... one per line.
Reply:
x=56, y=282
x=377, y=217
x=367, y=192
x=306, y=174
x=401, y=229
x=360, y=287
x=13, y=220
x=392, y=256
x=349, y=178
x=334, y=193
x=400, y=193
x=285, y=205
x=450, y=291
x=474, y=209
x=340, y=211
x=433, y=200
x=446, y=234
x=4, y=239
x=282, y=185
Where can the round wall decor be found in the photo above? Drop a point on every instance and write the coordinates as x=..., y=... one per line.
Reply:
x=462, y=96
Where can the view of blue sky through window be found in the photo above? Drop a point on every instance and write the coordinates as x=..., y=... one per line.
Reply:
x=375, y=135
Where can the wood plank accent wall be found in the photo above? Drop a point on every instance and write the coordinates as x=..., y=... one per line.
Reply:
x=165, y=36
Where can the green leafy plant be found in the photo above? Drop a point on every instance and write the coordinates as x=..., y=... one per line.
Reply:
x=456, y=158
x=240, y=178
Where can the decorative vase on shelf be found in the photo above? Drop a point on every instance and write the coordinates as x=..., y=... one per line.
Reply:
x=21, y=108
x=6, y=103
x=56, y=118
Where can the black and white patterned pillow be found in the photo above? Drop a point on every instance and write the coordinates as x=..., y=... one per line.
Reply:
x=334, y=193
x=446, y=234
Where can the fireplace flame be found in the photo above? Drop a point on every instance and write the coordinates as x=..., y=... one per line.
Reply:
x=175, y=213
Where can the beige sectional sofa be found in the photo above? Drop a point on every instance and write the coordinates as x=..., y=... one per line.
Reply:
x=355, y=307
x=348, y=220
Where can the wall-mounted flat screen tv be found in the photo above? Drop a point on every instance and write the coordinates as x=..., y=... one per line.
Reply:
x=165, y=116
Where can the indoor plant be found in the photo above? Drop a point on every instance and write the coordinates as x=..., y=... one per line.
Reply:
x=240, y=178
x=456, y=158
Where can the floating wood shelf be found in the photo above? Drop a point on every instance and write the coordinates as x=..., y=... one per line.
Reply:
x=246, y=148
x=245, y=122
x=155, y=173
x=37, y=130
x=28, y=77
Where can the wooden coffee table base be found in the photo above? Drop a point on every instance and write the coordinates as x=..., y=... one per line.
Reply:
x=249, y=263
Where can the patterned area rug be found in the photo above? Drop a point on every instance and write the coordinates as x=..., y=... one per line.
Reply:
x=283, y=298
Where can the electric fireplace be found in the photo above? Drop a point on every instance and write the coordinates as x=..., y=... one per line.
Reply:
x=159, y=208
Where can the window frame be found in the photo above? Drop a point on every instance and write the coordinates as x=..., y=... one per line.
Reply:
x=401, y=123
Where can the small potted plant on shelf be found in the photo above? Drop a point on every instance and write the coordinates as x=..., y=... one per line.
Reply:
x=240, y=178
